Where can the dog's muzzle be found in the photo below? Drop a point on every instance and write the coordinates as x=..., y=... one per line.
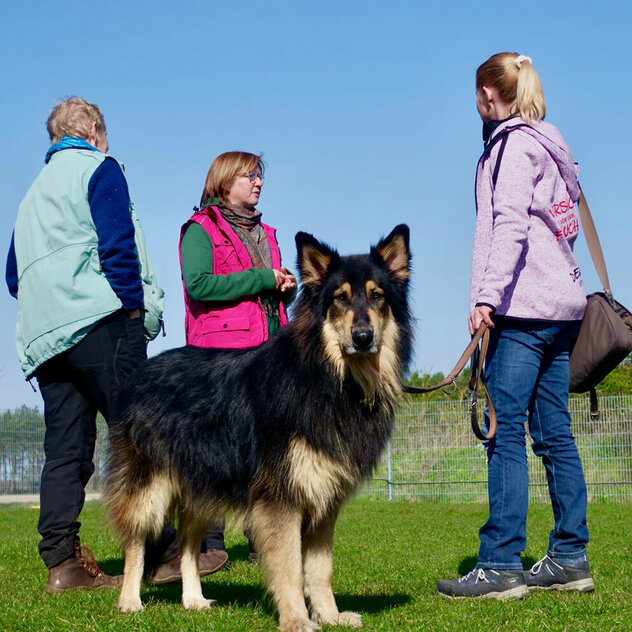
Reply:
x=362, y=340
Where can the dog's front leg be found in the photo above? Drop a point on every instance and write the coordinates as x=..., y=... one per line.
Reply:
x=277, y=537
x=129, y=599
x=318, y=571
x=190, y=530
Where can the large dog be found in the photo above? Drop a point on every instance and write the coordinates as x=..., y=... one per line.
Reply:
x=283, y=433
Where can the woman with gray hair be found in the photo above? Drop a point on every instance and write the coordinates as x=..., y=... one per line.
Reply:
x=78, y=268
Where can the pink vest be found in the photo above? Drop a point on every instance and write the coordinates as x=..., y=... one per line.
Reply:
x=236, y=324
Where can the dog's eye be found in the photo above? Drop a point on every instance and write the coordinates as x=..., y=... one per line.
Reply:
x=341, y=298
x=377, y=295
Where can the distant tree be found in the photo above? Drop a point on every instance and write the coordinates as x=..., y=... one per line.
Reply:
x=619, y=381
x=21, y=449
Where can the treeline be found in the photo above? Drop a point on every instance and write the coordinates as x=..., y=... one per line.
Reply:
x=22, y=450
x=619, y=382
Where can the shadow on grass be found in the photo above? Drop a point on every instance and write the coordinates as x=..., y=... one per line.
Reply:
x=469, y=563
x=220, y=587
x=251, y=595
x=371, y=604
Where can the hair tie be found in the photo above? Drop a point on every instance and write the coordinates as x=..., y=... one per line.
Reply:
x=522, y=58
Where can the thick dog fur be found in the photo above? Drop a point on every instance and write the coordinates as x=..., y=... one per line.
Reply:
x=283, y=433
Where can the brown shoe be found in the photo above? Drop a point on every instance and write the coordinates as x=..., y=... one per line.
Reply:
x=80, y=571
x=209, y=562
x=212, y=561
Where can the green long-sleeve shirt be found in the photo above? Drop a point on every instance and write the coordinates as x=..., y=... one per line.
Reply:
x=202, y=285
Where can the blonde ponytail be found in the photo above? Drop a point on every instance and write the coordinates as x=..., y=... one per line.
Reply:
x=517, y=83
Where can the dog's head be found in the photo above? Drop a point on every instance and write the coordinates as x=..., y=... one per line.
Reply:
x=357, y=307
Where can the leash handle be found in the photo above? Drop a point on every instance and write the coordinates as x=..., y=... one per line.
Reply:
x=477, y=374
x=476, y=356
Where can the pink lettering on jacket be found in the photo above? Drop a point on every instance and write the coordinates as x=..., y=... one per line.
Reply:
x=561, y=208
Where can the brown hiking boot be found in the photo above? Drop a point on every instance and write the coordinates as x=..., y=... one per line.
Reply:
x=209, y=562
x=80, y=571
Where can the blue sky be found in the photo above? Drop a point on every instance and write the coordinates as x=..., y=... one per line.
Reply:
x=364, y=112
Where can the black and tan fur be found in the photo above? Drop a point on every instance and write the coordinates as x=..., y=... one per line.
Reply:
x=283, y=433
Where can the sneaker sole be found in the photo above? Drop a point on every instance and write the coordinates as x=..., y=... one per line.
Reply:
x=519, y=592
x=581, y=585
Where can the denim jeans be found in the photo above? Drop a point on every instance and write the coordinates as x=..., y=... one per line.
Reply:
x=527, y=375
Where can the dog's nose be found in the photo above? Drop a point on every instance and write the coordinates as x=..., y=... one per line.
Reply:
x=362, y=338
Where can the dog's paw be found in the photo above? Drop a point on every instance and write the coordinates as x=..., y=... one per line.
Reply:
x=197, y=603
x=350, y=619
x=298, y=625
x=129, y=605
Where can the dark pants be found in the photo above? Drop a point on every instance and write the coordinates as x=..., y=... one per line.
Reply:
x=75, y=385
x=213, y=539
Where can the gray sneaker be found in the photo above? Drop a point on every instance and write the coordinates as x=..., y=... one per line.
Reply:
x=551, y=575
x=485, y=582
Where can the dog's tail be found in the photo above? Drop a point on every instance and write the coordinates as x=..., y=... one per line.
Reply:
x=140, y=502
x=159, y=550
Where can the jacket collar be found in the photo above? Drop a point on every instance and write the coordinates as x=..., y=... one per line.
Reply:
x=68, y=142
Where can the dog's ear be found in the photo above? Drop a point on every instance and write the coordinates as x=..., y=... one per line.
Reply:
x=395, y=252
x=314, y=259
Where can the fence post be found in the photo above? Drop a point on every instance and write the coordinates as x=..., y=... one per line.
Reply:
x=389, y=452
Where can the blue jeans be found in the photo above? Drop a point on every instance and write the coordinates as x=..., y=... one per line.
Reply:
x=527, y=375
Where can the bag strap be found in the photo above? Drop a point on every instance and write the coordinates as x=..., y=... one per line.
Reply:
x=594, y=246
x=592, y=239
x=596, y=254
x=477, y=360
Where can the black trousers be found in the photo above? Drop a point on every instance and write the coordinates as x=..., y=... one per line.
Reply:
x=75, y=385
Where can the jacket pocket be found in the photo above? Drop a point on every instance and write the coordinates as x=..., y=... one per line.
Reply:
x=227, y=332
x=225, y=258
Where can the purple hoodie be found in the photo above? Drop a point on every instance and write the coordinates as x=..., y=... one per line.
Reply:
x=523, y=263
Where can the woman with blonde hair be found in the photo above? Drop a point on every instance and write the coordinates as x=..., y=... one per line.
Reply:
x=526, y=286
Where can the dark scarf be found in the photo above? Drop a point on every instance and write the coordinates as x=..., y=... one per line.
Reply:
x=246, y=222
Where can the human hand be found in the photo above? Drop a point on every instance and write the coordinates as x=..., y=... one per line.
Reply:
x=480, y=314
x=289, y=282
x=279, y=278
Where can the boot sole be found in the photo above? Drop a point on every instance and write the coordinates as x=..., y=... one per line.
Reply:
x=178, y=577
x=56, y=591
x=581, y=585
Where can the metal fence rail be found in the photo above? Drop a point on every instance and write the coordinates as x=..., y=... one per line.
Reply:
x=433, y=454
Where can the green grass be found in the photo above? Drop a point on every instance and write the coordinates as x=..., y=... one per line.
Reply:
x=388, y=558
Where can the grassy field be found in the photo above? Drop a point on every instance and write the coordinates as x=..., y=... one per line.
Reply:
x=389, y=557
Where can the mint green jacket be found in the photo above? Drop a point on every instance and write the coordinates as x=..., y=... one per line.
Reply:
x=63, y=291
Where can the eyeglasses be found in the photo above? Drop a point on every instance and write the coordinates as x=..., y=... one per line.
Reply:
x=253, y=175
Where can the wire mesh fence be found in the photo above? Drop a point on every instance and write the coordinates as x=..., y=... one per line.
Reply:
x=433, y=454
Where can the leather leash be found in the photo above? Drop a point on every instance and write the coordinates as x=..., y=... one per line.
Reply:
x=476, y=355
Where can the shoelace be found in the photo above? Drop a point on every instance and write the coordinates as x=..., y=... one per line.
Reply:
x=86, y=557
x=535, y=569
x=480, y=575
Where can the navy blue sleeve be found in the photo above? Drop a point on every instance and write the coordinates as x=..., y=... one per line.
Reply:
x=12, y=269
x=108, y=197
